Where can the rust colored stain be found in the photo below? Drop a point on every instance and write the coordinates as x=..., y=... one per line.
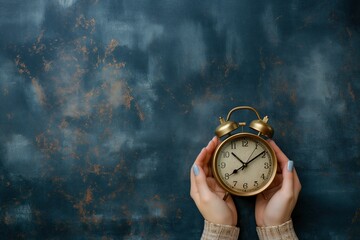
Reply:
x=140, y=113
x=38, y=46
x=47, y=143
x=111, y=47
x=83, y=22
x=22, y=68
x=96, y=169
x=88, y=196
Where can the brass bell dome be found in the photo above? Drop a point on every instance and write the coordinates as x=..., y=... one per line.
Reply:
x=262, y=127
x=225, y=127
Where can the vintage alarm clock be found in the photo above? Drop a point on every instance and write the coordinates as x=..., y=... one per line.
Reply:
x=244, y=163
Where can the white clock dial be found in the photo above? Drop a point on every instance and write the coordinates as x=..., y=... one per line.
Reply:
x=245, y=164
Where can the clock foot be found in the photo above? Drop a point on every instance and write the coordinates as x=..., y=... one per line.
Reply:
x=226, y=196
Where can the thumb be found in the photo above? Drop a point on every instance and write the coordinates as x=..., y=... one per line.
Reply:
x=200, y=180
x=288, y=177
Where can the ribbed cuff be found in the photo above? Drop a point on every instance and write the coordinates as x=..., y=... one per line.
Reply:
x=284, y=231
x=214, y=231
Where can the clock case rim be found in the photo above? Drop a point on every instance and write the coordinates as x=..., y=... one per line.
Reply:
x=220, y=181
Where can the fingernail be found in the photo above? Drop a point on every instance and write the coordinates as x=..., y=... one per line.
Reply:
x=196, y=169
x=290, y=165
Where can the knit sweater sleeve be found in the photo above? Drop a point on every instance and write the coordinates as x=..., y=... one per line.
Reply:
x=214, y=231
x=284, y=231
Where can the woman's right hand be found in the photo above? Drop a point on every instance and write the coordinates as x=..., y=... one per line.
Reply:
x=207, y=194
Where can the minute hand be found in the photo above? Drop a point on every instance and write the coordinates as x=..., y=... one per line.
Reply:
x=253, y=158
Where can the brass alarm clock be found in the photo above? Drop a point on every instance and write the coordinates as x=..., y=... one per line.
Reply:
x=244, y=163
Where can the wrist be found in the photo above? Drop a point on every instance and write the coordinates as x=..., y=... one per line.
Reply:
x=282, y=231
x=274, y=222
x=222, y=221
x=214, y=231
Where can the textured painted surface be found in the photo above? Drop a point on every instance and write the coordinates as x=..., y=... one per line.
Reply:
x=105, y=104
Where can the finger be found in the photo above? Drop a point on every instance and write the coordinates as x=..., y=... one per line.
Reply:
x=277, y=181
x=211, y=148
x=201, y=158
x=198, y=161
x=216, y=141
x=288, y=175
x=297, y=184
x=281, y=157
x=200, y=181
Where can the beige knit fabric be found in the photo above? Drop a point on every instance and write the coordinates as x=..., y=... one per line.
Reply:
x=214, y=231
x=284, y=231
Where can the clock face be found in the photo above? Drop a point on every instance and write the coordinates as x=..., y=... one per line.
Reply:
x=244, y=164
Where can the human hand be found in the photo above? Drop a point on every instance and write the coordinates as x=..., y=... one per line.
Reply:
x=274, y=206
x=207, y=194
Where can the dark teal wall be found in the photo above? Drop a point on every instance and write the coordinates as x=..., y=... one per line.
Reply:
x=105, y=105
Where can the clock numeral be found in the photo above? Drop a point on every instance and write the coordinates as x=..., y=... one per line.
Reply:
x=222, y=164
x=264, y=155
x=225, y=154
x=257, y=144
x=244, y=143
x=263, y=176
x=227, y=176
x=233, y=144
x=235, y=182
x=256, y=183
x=245, y=186
x=266, y=165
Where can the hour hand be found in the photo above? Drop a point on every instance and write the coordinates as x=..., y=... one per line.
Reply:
x=237, y=170
x=237, y=158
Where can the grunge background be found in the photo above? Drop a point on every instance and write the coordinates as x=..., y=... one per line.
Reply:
x=105, y=105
